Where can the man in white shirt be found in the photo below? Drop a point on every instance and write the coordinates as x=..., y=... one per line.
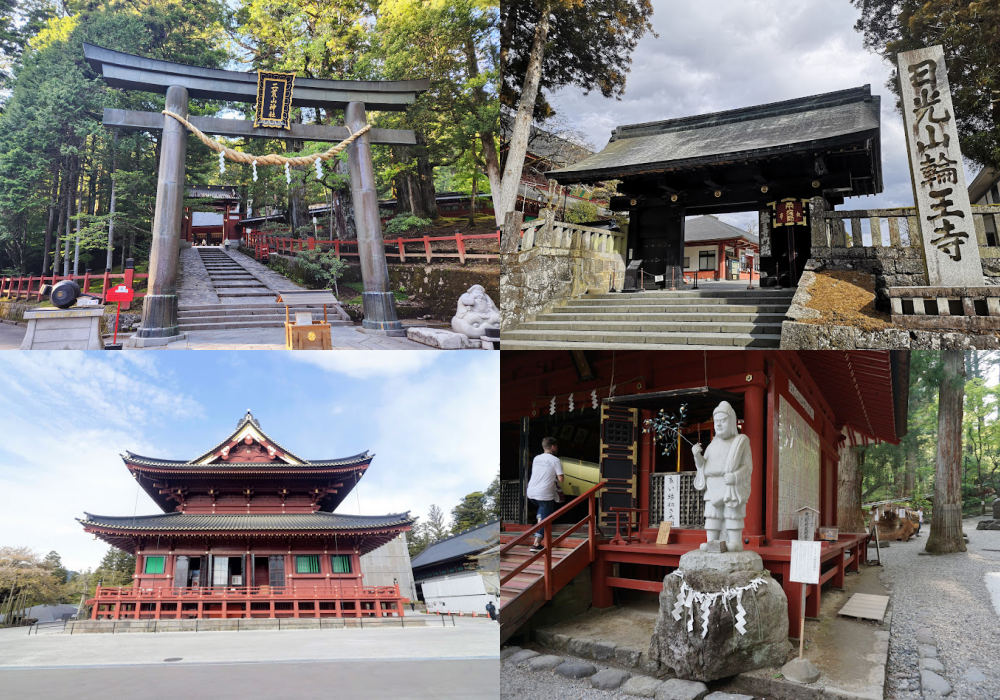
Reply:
x=546, y=471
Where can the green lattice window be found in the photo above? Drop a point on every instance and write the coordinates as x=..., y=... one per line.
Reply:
x=340, y=564
x=308, y=564
x=154, y=565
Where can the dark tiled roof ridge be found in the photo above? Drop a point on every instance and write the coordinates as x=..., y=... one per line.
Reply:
x=212, y=521
x=337, y=461
x=464, y=532
x=741, y=114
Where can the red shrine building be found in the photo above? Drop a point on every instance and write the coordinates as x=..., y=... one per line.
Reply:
x=248, y=530
x=803, y=412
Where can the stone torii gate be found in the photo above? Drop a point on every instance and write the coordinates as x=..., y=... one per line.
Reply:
x=180, y=82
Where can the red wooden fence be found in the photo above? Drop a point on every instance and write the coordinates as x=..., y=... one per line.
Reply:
x=31, y=287
x=263, y=244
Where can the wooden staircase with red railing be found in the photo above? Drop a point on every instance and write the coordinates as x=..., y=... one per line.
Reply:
x=528, y=580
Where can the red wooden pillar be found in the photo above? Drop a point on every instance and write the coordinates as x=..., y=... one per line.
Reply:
x=336, y=248
x=105, y=281
x=427, y=248
x=600, y=590
x=402, y=250
x=646, y=456
x=812, y=602
x=754, y=427
x=460, y=242
x=311, y=243
x=720, y=274
x=17, y=295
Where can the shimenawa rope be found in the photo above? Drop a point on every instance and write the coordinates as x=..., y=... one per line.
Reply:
x=270, y=159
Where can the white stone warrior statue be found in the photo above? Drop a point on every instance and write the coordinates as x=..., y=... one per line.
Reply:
x=476, y=313
x=724, y=475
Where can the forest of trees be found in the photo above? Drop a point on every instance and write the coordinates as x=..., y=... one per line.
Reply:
x=59, y=167
x=948, y=463
x=475, y=508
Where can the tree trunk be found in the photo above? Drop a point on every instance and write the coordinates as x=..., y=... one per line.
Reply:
x=57, y=243
x=70, y=197
x=946, y=519
x=850, y=517
x=475, y=192
x=910, y=482
x=50, y=226
x=415, y=188
x=344, y=204
x=522, y=122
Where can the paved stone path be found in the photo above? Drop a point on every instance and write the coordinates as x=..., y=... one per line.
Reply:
x=943, y=618
x=193, y=284
x=11, y=336
x=344, y=338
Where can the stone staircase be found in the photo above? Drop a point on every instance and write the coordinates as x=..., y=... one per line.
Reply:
x=686, y=319
x=247, y=302
x=229, y=278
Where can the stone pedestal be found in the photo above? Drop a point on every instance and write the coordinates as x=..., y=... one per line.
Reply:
x=77, y=328
x=722, y=651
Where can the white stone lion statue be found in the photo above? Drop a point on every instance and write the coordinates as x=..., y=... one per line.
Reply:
x=476, y=313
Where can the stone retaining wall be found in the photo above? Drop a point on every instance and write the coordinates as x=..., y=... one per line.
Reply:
x=808, y=336
x=436, y=287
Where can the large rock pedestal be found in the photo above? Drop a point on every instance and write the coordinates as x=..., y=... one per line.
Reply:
x=723, y=651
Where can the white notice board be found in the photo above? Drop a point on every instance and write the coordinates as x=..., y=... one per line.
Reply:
x=672, y=498
x=805, y=562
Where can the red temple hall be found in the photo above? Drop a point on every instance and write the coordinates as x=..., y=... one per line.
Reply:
x=248, y=530
x=801, y=412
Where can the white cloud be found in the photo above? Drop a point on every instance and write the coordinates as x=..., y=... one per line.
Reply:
x=365, y=365
x=67, y=417
x=438, y=438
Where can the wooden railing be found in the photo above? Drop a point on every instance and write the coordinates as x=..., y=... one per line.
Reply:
x=548, y=543
x=30, y=287
x=901, y=229
x=333, y=591
x=263, y=244
x=549, y=233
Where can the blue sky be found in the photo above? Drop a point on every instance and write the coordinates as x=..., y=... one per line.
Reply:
x=429, y=418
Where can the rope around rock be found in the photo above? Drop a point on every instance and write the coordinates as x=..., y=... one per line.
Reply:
x=271, y=158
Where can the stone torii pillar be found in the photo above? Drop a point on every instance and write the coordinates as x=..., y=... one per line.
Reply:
x=378, y=302
x=159, y=306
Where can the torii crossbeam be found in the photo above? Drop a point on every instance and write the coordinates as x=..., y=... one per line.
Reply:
x=179, y=82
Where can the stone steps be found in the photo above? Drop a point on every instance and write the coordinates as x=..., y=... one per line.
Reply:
x=650, y=327
x=662, y=320
x=510, y=339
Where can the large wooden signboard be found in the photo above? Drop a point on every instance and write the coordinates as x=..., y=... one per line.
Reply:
x=274, y=99
x=939, y=188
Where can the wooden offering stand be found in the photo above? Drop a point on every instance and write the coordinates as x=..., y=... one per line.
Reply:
x=307, y=335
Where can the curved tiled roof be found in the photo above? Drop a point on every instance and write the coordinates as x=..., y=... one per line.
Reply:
x=196, y=522
x=353, y=460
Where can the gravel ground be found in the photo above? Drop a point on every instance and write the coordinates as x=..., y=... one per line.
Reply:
x=517, y=682
x=945, y=593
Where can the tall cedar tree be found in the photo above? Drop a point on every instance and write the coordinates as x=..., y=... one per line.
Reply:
x=946, y=525
x=969, y=31
x=549, y=44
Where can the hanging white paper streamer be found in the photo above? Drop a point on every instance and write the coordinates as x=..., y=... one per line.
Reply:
x=571, y=403
x=255, y=171
x=222, y=162
x=319, y=168
x=687, y=597
x=741, y=614
x=288, y=174
x=593, y=398
x=552, y=406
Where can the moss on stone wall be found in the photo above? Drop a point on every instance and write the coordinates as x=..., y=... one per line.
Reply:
x=431, y=288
